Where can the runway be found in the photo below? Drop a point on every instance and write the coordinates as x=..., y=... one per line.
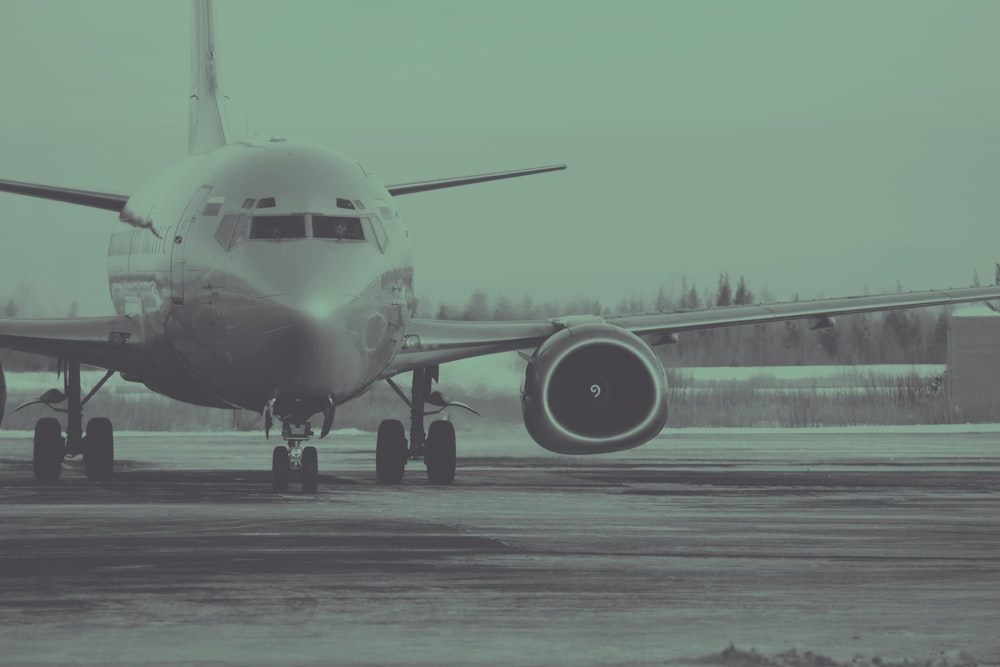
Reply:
x=843, y=543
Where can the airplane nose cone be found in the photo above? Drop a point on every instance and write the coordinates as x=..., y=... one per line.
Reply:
x=309, y=297
x=309, y=319
x=306, y=320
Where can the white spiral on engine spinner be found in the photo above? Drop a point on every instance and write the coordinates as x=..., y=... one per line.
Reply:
x=595, y=389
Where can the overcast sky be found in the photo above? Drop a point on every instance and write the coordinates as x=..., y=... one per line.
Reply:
x=823, y=148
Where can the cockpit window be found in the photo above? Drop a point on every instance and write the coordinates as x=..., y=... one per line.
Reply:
x=381, y=239
x=337, y=227
x=278, y=227
x=224, y=233
x=242, y=230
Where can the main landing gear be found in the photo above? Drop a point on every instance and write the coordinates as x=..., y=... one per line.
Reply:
x=97, y=444
x=436, y=447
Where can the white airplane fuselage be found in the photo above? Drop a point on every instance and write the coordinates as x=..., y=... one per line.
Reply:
x=238, y=321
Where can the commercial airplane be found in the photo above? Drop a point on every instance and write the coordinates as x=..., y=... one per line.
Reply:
x=277, y=277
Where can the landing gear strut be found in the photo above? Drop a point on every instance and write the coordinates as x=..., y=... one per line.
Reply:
x=97, y=445
x=436, y=446
x=295, y=457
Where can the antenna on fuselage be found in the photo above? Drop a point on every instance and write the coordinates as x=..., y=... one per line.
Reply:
x=206, y=123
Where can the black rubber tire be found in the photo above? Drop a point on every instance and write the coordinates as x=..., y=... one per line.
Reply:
x=49, y=450
x=279, y=469
x=390, y=452
x=439, y=452
x=99, y=450
x=310, y=470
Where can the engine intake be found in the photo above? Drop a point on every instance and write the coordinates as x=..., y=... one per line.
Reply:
x=593, y=388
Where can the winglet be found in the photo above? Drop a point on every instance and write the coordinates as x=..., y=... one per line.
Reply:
x=206, y=125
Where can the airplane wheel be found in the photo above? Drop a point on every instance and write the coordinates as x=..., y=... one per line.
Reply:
x=279, y=469
x=439, y=455
x=390, y=452
x=310, y=470
x=99, y=450
x=49, y=450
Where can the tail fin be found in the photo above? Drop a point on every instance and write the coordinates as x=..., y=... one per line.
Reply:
x=206, y=125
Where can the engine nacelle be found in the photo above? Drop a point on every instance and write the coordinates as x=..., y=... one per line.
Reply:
x=3, y=393
x=593, y=388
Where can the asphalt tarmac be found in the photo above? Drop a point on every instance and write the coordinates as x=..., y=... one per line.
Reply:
x=844, y=544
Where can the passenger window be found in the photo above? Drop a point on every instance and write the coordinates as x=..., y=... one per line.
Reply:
x=224, y=233
x=278, y=227
x=337, y=227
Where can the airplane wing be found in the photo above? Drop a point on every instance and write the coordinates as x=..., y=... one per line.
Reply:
x=103, y=200
x=423, y=186
x=115, y=343
x=430, y=342
x=115, y=202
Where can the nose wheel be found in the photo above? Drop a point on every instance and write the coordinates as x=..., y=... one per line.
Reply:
x=294, y=458
x=279, y=469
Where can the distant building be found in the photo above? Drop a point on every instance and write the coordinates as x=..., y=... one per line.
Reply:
x=974, y=362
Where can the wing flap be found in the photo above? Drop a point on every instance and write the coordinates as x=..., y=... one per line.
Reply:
x=424, y=186
x=102, y=200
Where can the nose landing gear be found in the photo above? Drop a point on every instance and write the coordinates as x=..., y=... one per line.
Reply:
x=295, y=458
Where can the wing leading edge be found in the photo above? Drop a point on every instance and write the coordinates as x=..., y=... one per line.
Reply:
x=441, y=341
x=102, y=200
x=115, y=343
x=424, y=186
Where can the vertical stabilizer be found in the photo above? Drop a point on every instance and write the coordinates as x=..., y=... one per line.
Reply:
x=206, y=126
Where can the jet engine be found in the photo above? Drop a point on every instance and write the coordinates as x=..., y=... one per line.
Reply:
x=593, y=388
x=3, y=393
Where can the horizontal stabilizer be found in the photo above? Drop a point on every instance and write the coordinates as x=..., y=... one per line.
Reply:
x=423, y=186
x=103, y=200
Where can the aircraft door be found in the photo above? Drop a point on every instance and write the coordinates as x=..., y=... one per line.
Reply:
x=177, y=263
